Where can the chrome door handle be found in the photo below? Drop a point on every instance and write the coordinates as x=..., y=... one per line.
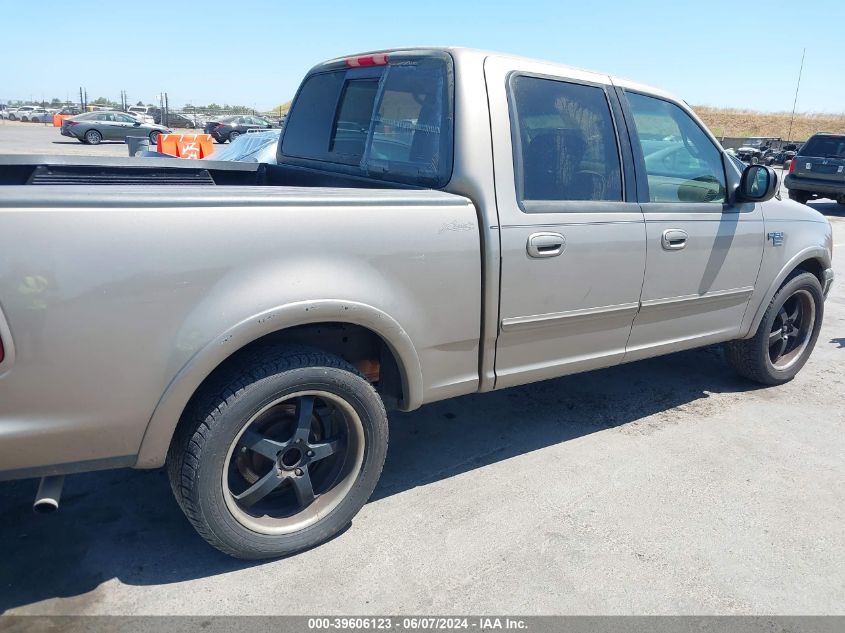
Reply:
x=545, y=245
x=673, y=239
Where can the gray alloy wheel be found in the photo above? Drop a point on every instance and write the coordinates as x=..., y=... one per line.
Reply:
x=792, y=329
x=278, y=451
x=93, y=137
x=293, y=462
x=786, y=335
x=233, y=135
x=154, y=137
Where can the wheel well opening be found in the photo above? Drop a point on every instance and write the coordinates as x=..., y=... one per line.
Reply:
x=362, y=348
x=813, y=266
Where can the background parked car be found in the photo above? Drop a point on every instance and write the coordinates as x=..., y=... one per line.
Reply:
x=254, y=147
x=5, y=114
x=143, y=118
x=70, y=111
x=819, y=169
x=22, y=113
x=177, y=119
x=228, y=128
x=93, y=127
x=783, y=156
x=152, y=111
x=40, y=115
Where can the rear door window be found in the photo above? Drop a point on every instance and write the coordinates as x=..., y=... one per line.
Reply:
x=391, y=121
x=564, y=141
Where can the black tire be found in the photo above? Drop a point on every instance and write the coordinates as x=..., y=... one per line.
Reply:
x=92, y=137
x=212, y=440
x=752, y=358
x=154, y=137
x=233, y=135
x=799, y=196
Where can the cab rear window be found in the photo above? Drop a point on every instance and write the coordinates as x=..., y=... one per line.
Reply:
x=390, y=121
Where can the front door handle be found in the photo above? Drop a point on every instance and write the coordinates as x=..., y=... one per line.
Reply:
x=674, y=239
x=545, y=245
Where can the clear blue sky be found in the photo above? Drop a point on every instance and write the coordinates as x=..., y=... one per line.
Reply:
x=725, y=53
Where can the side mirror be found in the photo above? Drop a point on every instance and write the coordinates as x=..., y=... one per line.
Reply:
x=758, y=184
x=137, y=124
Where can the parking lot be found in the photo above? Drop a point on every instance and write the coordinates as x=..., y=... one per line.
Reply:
x=39, y=138
x=659, y=487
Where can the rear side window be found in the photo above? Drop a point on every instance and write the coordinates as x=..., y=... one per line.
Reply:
x=392, y=121
x=564, y=141
x=824, y=146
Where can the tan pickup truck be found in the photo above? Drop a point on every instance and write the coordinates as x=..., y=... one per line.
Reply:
x=440, y=222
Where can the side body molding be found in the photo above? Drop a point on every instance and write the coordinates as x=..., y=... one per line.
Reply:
x=166, y=415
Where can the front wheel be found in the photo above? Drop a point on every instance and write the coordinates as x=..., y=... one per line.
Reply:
x=278, y=454
x=786, y=335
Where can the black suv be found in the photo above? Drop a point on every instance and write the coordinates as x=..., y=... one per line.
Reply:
x=818, y=170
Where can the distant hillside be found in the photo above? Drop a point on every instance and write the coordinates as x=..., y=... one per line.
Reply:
x=731, y=122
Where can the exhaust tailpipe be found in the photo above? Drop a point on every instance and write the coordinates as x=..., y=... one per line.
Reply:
x=48, y=495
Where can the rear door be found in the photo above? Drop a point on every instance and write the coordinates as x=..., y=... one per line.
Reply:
x=703, y=253
x=822, y=158
x=572, y=233
x=111, y=129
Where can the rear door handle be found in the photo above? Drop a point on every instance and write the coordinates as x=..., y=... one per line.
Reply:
x=545, y=245
x=674, y=239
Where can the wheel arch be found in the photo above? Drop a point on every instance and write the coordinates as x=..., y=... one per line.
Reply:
x=813, y=259
x=299, y=323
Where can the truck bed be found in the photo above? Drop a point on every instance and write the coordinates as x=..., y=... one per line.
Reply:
x=162, y=172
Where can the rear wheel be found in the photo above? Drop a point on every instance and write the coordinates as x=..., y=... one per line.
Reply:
x=93, y=137
x=154, y=137
x=786, y=335
x=799, y=196
x=233, y=135
x=278, y=454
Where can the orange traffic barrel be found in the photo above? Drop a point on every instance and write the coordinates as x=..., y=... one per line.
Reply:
x=185, y=145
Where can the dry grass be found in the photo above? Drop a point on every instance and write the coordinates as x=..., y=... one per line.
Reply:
x=732, y=122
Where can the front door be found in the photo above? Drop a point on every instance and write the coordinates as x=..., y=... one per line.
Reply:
x=572, y=233
x=703, y=253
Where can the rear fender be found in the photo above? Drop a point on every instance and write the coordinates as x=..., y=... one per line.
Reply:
x=163, y=422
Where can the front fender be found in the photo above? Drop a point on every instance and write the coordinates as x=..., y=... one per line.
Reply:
x=166, y=415
x=763, y=300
